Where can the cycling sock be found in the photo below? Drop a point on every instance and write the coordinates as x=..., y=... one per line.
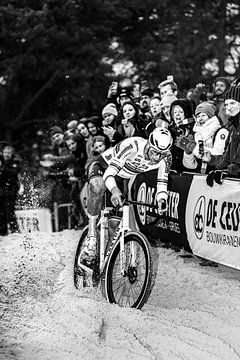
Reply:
x=92, y=225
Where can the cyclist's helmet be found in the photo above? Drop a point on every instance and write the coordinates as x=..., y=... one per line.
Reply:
x=161, y=139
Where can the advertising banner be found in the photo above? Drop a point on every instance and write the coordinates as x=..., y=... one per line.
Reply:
x=213, y=221
x=169, y=227
x=34, y=220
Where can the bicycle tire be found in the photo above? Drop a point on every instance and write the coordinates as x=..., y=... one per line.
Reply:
x=139, y=284
x=78, y=274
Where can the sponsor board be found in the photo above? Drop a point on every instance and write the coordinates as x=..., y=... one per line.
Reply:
x=169, y=227
x=213, y=221
x=34, y=220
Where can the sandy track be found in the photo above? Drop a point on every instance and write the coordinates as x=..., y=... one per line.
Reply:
x=192, y=313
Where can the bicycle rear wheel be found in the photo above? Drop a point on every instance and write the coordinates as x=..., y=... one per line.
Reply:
x=79, y=277
x=132, y=288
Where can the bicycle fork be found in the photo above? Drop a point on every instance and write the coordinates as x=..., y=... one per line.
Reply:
x=125, y=228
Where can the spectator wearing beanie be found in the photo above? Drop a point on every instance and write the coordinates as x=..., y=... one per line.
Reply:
x=111, y=128
x=220, y=86
x=230, y=161
x=209, y=136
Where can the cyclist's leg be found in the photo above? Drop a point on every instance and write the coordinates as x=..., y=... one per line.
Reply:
x=94, y=202
x=96, y=191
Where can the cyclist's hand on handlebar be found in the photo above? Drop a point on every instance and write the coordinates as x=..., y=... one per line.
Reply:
x=162, y=206
x=117, y=197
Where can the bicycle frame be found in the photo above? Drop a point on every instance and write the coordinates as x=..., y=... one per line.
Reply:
x=127, y=223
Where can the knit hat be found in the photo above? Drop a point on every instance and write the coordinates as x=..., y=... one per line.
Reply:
x=234, y=91
x=224, y=80
x=206, y=108
x=110, y=109
x=55, y=130
x=168, y=99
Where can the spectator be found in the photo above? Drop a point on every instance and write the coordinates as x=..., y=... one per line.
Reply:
x=76, y=172
x=10, y=165
x=220, y=86
x=182, y=119
x=130, y=120
x=168, y=86
x=209, y=136
x=93, y=126
x=110, y=125
x=86, y=136
x=229, y=164
x=99, y=145
x=59, y=149
x=144, y=103
x=166, y=103
x=72, y=126
x=124, y=96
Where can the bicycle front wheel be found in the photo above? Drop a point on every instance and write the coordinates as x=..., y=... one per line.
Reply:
x=133, y=287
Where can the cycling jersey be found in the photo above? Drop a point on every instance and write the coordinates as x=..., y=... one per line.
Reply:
x=127, y=159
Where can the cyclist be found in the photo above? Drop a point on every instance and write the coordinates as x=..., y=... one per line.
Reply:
x=128, y=158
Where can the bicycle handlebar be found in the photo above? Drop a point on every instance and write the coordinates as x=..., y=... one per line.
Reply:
x=140, y=203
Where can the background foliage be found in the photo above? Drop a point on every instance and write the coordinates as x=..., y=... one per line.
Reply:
x=58, y=57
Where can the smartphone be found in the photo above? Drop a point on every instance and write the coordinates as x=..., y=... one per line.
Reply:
x=170, y=78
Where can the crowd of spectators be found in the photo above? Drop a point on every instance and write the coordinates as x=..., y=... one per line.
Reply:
x=204, y=124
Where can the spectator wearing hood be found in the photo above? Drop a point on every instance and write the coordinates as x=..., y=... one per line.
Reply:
x=220, y=86
x=229, y=163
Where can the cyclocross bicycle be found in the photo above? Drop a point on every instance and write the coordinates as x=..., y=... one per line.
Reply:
x=124, y=265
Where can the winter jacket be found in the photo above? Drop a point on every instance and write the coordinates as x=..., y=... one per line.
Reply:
x=231, y=157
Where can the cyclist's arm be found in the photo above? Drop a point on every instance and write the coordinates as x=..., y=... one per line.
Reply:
x=162, y=178
x=127, y=149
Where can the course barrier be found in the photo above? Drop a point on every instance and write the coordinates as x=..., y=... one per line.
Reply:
x=203, y=219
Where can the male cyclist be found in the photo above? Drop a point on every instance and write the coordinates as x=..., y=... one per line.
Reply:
x=130, y=157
